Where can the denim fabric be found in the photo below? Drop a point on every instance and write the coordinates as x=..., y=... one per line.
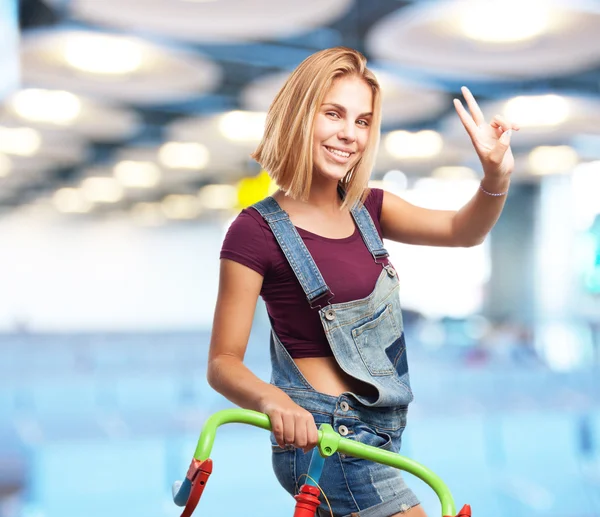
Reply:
x=367, y=340
x=294, y=249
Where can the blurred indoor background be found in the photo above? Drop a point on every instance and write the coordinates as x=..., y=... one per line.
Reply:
x=125, y=133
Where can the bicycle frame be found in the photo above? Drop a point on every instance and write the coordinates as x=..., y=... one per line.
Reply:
x=188, y=492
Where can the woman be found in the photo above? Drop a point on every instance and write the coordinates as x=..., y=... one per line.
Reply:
x=314, y=252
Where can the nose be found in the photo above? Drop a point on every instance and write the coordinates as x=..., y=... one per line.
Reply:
x=348, y=132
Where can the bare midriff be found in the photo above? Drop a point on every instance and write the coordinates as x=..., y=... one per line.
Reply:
x=325, y=375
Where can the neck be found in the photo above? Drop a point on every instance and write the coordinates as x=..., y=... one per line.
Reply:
x=324, y=194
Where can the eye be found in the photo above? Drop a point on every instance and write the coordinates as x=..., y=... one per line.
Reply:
x=363, y=123
x=333, y=114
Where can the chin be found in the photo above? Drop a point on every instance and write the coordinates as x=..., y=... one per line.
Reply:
x=332, y=175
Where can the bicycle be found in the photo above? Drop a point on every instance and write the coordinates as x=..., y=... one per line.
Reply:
x=187, y=494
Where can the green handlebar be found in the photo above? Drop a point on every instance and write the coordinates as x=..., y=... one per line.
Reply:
x=330, y=442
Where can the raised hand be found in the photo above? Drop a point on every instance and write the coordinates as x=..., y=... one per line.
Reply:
x=491, y=140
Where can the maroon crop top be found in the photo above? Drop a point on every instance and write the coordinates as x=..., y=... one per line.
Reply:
x=346, y=265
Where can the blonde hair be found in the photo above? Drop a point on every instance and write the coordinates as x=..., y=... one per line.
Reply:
x=285, y=150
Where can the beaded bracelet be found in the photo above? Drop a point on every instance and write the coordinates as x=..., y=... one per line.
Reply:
x=491, y=193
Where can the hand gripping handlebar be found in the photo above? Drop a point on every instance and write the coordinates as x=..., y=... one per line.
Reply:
x=187, y=493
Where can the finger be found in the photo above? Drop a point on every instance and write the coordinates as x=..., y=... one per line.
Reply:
x=313, y=434
x=288, y=429
x=503, y=123
x=466, y=119
x=499, y=150
x=312, y=437
x=473, y=106
x=301, y=434
x=277, y=428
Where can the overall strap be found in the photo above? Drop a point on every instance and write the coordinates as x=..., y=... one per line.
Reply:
x=367, y=229
x=295, y=251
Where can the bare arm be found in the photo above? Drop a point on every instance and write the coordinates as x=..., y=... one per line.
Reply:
x=402, y=221
x=239, y=288
x=476, y=219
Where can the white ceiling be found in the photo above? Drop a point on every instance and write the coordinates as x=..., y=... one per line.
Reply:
x=168, y=73
x=428, y=36
x=200, y=59
x=211, y=20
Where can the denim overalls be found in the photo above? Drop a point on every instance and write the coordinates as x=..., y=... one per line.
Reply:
x=367, y=340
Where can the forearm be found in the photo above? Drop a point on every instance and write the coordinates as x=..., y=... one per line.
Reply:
x=474, y=221
x=232, y=379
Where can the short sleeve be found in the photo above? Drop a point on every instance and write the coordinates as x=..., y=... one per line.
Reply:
x=245, y=243
x=373, y=204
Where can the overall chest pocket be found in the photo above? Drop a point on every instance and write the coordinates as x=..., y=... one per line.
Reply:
x=373, y=337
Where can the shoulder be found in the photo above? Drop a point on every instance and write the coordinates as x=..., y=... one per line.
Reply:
x=247, y=223
x=246, y=241
x=249, y=218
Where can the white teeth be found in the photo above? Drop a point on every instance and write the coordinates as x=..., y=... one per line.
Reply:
x=343, y=154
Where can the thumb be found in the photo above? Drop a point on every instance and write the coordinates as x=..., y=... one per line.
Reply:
x=501, y=146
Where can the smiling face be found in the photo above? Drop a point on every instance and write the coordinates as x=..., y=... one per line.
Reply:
x=342, y=126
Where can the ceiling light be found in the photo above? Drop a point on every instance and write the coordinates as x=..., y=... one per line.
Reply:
x=71, y=200
x=441, y=194
x=102, y=190
x=5, y=165
x=422, y=144
x=243, y=126
x=22, y=141
x=184, y=155
x=552, y=159
x=57, y=107
x=102, y=54
x=454, y=172
x=504, y=22
x=395, y=181
x=137, y=174
x=218, y=197
x=147, y=214
x=537, y=110
x=181, y=206
x=376, y=184
x=428, y=184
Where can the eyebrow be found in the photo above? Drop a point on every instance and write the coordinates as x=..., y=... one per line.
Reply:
x=341, y=108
